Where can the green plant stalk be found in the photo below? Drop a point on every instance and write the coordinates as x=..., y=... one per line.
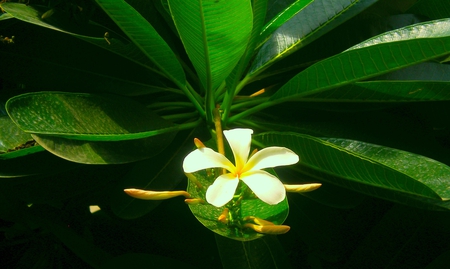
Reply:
x=251, y=111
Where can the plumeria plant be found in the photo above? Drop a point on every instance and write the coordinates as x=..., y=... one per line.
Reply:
x=280, y=97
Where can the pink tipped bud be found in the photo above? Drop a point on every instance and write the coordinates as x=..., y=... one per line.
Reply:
x=302, y=187
x=155, y=195
x=199, y=144
x=269, y=229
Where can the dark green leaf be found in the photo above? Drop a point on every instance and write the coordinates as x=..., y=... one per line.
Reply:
x=391, y=51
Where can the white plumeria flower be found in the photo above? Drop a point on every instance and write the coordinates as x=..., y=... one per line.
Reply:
x=267, y=187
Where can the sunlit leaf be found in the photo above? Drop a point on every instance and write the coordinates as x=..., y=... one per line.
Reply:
x=379, y=171
x=391, y=51
x=214, y=37
x=311, y=22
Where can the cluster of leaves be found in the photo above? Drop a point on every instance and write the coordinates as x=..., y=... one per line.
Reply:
x=358, y=89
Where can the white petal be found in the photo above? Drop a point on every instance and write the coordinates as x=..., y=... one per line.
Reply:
x=222, y=190
x=271, y=157
x=267, y=187
x=239, y=140
x=204, y=158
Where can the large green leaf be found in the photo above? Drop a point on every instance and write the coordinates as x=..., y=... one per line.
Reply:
x=375, y=170
x=285, y=15
x=214, y=34
x=390, y=51
x=92, y=117
x=311, y=22
x=144, y=36
x=89, y=128
x=386, y=91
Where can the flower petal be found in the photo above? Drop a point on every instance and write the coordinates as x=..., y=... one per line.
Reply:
x=267, y=187
x=204, y=158
x=222, y=190
x=271, y=157
x=239, y=140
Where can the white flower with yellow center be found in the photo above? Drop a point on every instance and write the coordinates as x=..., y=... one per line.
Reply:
x=266, y=187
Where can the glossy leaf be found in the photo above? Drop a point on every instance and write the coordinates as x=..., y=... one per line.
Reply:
x=214, y=37
x=314, y=20
x=208, y=214
x=144, y=36
x=390, y=51
x=12, y=138
x=69, y=115
x=281, y=18
x=383, y=172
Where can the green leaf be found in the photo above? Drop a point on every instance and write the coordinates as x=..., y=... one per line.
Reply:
x=208, y=214
x=385, y=91
x=214, y=34
x=162, y=172
x=90, y=128
x=143, y=35
x=266, y=252
x=311, y=22
x=390, y=51
x=12, y=138
x=382, y=172
x=91, y=117
x=282, y=17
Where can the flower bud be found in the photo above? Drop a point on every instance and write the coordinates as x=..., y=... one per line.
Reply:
x=224, y=216
x=259, y=221
x=199, y=144
x=302, y=187
x=194, y=201
x=269, y=229
x=155, y=195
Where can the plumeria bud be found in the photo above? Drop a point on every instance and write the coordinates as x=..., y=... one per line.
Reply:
x=259, y=221
x=194, y=201
x=302, y=187
x=268, y=229
x=155, y=195
x=199, y=144
x=224, y=216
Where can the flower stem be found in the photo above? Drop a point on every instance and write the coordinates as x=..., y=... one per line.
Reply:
x=219, y=132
